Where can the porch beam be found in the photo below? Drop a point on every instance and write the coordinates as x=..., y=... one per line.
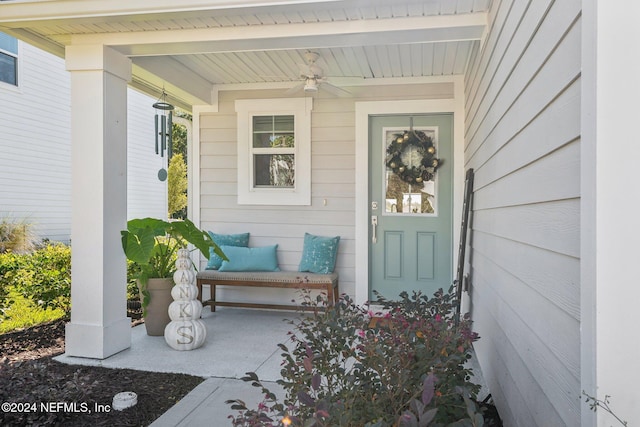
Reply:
x=184, y=87
x=406, y=30
x=99, y=324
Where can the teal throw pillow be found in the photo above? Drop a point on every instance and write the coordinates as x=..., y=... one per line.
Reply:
x=250, y=259
x=319, y=254
x=215, y=261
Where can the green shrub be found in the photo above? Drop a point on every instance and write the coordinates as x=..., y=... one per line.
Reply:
x=133, y=271
x=43, y=276
x=9, y=263
x=23, y=312
x=352, y=367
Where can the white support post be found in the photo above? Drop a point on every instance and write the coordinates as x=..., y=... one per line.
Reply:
x=99, y=324
x=609, y=210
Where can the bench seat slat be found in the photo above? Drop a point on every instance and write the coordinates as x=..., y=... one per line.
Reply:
x=271, y=279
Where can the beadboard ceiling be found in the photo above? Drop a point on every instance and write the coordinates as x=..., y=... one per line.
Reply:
x=193, y=46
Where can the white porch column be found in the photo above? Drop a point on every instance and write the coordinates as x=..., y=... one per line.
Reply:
x=610, y=149
x=99, y=324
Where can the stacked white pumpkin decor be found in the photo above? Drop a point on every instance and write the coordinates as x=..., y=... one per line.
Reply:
x=185, y=331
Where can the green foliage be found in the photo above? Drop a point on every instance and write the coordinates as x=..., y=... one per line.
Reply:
x=348, y=366
x=177, y=173
x=16, y=236
x=24, y=312
x=44, y=276
x=151, y=245
x=34, y=287
x=132, y=285
x=179, y=134
x=177, y=186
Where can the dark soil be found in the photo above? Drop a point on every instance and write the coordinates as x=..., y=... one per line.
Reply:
x=43, y=392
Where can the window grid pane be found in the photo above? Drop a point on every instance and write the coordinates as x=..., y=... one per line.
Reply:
x=273, y=131
x=274, y=170
x=8, y=69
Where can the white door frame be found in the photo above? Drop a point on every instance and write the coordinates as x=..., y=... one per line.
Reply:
x=369, y=108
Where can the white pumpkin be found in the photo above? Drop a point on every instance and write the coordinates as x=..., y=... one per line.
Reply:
x=183, y=263
x=185, y=310
x=185, y=335
x=183, y=277
x=183, y=292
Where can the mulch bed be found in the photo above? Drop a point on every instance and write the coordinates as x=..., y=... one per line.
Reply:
x=43, y=392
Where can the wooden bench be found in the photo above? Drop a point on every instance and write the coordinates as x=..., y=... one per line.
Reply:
x=267, y=279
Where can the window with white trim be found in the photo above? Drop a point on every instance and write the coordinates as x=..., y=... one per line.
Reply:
x=274, y=151
x=8, y=59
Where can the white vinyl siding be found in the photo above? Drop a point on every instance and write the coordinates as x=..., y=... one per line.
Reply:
x=332, y=180
x=35, y=176
x=35, y=135
x=523, y=141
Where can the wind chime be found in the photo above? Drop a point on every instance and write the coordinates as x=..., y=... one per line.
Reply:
x=163, y=125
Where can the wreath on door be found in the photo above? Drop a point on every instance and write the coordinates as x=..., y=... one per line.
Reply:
x=412, y=157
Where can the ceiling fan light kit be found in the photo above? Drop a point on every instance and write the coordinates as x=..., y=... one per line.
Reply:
x=311, y=85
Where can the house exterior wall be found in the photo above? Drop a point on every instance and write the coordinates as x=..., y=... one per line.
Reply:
x=35, y=180
x=332, y=179
x=523, y=141
x=35, y=141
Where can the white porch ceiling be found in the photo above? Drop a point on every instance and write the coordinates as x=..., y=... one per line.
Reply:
x=194, y=46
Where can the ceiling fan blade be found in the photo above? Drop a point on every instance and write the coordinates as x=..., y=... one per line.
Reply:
x=335, y=90
x=294, y=89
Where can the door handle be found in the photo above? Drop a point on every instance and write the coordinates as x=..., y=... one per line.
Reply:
x=374, y=225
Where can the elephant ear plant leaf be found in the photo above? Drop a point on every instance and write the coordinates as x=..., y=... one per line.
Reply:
x=199, y=238
x=152, y=244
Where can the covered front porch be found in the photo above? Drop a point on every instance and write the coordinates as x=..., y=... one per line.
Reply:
x=544, y=115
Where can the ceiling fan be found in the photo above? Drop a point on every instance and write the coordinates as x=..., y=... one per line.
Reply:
x=312, y=77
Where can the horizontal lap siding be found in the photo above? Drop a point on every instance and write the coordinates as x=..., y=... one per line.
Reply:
x=35, y=163
x=522, y=138
x=332, y=176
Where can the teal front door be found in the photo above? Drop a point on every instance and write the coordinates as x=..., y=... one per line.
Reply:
x=410, y=209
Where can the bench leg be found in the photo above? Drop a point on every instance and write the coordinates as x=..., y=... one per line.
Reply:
x=212, y=287
x=199, y=285
x=213, y=297
x=331, y=297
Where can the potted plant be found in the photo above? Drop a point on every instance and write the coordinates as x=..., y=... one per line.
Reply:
x=152, y=244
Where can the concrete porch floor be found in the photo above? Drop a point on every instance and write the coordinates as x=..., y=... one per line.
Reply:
x=238, y=341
